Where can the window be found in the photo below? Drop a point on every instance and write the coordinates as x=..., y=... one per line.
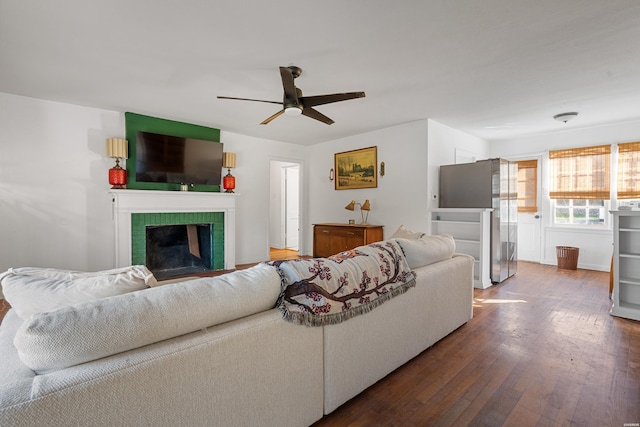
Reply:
x=579, y=185
x=527, y=185
x=579, y=211
x=629, y=170
x=580, y=173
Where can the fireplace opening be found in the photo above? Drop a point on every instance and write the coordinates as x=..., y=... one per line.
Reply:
x=178, y=250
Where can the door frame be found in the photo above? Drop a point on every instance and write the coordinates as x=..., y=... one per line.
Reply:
x=541, y=212
x=286, y=179
x=302, y=196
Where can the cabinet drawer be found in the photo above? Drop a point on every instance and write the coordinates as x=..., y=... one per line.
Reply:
x=339, y=232
x=330, y=239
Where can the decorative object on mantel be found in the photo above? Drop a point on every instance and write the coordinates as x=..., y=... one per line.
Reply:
x=366, y=206
x=229, y=181
x=117, y=148
x=565, y=117
x=356, y=169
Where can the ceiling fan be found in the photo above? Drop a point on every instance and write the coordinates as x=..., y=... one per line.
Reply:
x=293, y=103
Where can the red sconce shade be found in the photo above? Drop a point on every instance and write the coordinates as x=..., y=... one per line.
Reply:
x=229, y=183
x=118, y=177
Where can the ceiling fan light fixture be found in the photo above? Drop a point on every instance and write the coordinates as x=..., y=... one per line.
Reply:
x=293, y=111
x=565, y=117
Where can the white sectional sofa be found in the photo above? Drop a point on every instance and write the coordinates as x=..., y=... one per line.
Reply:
x=214, y=351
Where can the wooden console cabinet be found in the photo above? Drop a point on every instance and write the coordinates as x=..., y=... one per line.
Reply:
x=330, y=239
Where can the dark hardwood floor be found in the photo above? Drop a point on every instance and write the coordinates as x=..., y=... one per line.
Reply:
x=4, y=307
x=541, y=350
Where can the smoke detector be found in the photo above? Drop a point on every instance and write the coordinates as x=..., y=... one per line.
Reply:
x=565, y=117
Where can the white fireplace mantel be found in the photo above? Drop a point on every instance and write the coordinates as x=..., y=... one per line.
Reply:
x=126, y=202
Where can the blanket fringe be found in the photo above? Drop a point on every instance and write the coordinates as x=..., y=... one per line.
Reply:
x=312, y=319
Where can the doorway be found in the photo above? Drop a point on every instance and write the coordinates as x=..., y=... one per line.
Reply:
x=284, y=215
x=529, y=212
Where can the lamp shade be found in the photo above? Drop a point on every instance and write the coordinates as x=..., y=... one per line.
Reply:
x=351, y=206
x=118, y=148
x=228, y=160
x=366, y=206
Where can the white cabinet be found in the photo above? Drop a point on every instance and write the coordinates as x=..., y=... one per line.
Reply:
x=470, y=229
x=626, y=264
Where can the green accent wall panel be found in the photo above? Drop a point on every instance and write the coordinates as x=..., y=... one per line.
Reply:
x=138, y=122
x=139, y=222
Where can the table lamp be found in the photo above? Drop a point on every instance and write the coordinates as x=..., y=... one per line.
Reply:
x=229, y=181
x=117, y=148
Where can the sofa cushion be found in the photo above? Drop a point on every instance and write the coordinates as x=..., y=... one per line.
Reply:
x=404, y=233
x=32, y=290
x=428, y=249
x=95, y=329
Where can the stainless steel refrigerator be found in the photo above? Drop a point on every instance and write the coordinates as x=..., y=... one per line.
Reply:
x=493, y=184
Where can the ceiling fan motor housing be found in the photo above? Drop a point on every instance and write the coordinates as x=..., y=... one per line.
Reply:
x=295, y=71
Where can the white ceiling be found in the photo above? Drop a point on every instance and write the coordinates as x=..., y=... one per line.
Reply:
x=493, y=68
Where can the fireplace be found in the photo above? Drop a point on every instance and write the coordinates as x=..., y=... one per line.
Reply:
x=178, y=250
x=174, y=233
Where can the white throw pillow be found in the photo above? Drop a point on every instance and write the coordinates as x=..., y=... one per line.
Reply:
x=428, y=249
x=404, y=233
x=95, y=329
x=32, y=290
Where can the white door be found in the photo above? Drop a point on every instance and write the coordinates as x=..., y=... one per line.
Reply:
x=529, y=223
x=292, y=203
x=529, y=236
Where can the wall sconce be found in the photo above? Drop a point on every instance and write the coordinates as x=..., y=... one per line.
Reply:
x=331, y=174
x=381, y=168
x=229, y=181
x=117, y=148
x=366, y=206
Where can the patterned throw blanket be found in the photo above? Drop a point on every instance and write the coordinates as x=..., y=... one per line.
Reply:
x=325, y=291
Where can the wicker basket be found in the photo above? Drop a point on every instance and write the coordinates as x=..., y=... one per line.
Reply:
x=567, y=257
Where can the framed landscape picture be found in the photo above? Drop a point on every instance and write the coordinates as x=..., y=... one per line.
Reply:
x=356, y=169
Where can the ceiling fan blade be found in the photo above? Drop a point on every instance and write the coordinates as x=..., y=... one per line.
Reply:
x=312, y=101
x=315, y=114
x=247, y=99
x=290, y=93
x=276, y=115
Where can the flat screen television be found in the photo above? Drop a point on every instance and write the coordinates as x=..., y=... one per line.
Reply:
x=177, y=160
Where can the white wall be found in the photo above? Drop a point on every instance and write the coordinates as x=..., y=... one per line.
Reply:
x=54, y=204
x=276, y=233
x=53, y=184
x=595, y=244
x=412, y=153
x=401, y=195
x=253, y=171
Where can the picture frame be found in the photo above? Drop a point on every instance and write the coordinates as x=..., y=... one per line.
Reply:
x=356, y=169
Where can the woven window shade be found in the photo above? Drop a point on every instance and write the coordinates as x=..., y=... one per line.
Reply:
x=580, y=173
x=629, y=170
x=527, y=185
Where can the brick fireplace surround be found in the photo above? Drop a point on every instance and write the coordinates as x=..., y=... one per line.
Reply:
x=186, y=203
